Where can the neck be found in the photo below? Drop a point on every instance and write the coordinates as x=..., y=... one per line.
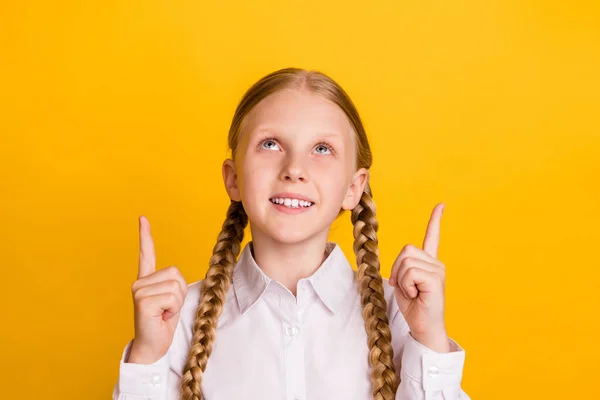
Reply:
x=287, y=262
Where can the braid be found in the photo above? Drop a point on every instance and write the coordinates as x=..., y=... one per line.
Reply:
x=370, y=287
x=214, y=289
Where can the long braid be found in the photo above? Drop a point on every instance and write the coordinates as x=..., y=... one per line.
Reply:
x=370, y=287
x=214, y=289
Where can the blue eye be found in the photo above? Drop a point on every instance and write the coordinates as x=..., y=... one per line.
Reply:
x=324, y=146
x=268, y=140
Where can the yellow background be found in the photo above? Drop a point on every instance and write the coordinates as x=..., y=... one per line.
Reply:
x=113, y=109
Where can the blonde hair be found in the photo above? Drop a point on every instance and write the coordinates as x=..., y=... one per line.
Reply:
x=370, y=286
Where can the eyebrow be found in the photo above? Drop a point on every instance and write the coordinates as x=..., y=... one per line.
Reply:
x=327, y=134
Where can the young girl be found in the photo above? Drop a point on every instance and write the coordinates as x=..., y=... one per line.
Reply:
x=290, y=319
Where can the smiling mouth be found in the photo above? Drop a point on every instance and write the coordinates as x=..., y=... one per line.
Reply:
x=291, y=203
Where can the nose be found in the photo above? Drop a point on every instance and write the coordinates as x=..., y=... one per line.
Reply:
x=293, y=170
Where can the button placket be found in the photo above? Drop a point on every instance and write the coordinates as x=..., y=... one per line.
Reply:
x=291, y=330
x=156, y=380
x=433, y=371
x=293, y=348
x=305, y=297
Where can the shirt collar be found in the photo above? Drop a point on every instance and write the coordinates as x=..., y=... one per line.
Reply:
x=331, y=281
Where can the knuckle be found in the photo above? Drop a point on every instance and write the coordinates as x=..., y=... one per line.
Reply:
x=173, y=285
x=405, y=278
x=136, y=288
x=171, y=297
x=406, y=284
x=406, y=261
x=442, y=275
x=410, y=248
x=139, y=295
x=172, y=270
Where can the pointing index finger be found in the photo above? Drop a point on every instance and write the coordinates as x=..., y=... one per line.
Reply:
x=432, y=235
x=147, y=256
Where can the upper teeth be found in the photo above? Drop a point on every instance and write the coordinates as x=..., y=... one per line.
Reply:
x=292, y=203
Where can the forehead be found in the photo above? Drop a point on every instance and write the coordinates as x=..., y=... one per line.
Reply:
x=298, y=112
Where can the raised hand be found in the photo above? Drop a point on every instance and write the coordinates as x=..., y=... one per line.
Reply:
x=420, y=278
x=157, y=299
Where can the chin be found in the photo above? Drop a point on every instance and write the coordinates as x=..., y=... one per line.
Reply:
x=288, y=229
x=289, y=235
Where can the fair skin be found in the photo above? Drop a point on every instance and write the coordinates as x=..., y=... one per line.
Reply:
x=419, y=278
x=295, y=123
x=295, y=160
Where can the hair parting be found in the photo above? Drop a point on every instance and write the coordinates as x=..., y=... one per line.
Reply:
x=220, y=272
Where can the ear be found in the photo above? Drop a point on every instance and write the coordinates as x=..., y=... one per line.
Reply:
x=359, y=181
x=230, y=180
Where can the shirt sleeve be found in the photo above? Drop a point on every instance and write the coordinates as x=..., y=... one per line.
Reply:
x=424, y=373
x=429, y=375
x=153, y=381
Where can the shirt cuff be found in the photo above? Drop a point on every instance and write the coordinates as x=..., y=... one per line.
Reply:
x=436, y=371
x=147, y=380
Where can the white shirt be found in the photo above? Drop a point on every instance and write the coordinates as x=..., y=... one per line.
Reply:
x=272, y=345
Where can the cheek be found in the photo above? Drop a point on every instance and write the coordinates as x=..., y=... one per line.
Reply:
x=255, y=179
x=327, y=168
x=332, y=180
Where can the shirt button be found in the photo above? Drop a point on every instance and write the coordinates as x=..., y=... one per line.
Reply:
x=433, y=371
x=291, y=331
